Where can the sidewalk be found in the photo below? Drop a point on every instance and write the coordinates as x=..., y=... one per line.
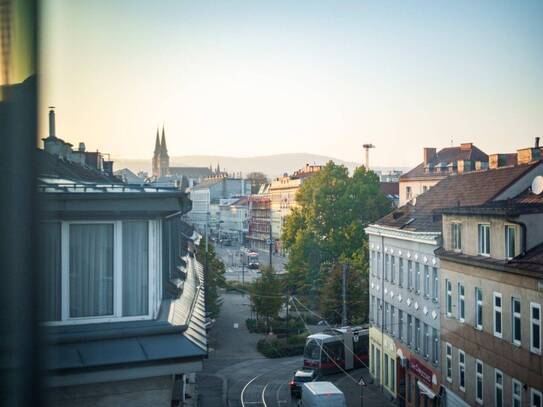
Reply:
x=371, y=393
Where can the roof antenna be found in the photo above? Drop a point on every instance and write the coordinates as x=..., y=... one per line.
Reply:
x=452, y=143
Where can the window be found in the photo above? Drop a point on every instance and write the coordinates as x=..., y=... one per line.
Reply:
x=50, y=255
x=409, y=329
x=410, y=274
x=435, y=287
x=400, y=324
x=498, y=381
x=535, y=327
x=456, y=236
x=408, y=193
x=426, y=341
x=426, y=281
x=516, y=322
x=385, y=371
x=392, y=269
x=478, y=308
x=461, y=303
x=372, y=262
x=484, y=240
x=417, y=334
x=400, y=272
x=372, y=308
x=516, y=392
x=498, y=315
x=386, y=324
x=392, y=375
x=417, y=277
x=462, y=370
x=379, y=310
x=448, y=362
x=378, y=271
x=435, y=350
x=387, y=266
x=536, y=399
x=424, y=188
x=392, y=318
x=509, y=242
x=448, y=296
x=479, y=381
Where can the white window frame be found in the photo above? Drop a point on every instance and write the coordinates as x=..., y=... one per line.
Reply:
x=448, y=298
x=516, y=399
x=392, y=268
x=154, y=268
x=516, y=315
x=508, y=254
x=481, y=376
x=461, y=302
x=435, y=349
x=497, y=386
x=538, y=323
x=456, y=236
x=426, y=284
x=435, y=287
x=400, y=271
x=533, y=392
x=387, y=266
x=482, y=239
x=461, y=369
x=478, y=304
x=448, y=362
x=426, y=339
x=497, y=309
x=417, y=277
x=410, y=275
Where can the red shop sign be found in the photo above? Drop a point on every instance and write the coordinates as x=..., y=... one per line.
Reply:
x=420, y=370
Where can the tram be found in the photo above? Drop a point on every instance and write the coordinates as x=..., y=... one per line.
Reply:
x=337, y=348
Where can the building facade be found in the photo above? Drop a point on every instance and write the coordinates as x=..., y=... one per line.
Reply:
x=234, y=218
x=259, y=220
x=492, y=279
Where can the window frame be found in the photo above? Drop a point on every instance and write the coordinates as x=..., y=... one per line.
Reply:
x=516, y=397
x=448, y=362
x=461, y=304
x=417, y=277
x=516, y=315
x=435, y=287
x=426, y=285
x=497, y=309
x=392, y=268
x=435, y=350
x=456, y=236
x=498, y=372
x=462, y=370
x=507, y=251
x=478, y=375
x=534, y=305
x=478, y=304
x=483, y=239
x=400, y=271
x=154, y=275
x=448, y=298
x=533, y=392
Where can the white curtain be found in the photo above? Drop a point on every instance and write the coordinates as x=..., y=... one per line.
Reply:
x=135, y=268
x=91, y=270
x=50, y=270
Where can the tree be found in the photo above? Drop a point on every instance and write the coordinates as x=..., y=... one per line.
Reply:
x=256, y=179
x=327, y=229
x=215, y=277
x=266, y=295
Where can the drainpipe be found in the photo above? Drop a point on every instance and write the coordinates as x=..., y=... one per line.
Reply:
x=382, y=370
x=523, y=237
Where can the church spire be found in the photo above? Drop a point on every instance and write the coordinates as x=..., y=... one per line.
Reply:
x=163, y=147
x=157, y=143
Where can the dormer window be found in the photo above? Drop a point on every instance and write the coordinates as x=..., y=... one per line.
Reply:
x=484, y=239
x=456, y=236
x=510, y=236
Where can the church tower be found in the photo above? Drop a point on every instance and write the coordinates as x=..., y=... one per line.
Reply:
x=156, y=157
x=164, y=157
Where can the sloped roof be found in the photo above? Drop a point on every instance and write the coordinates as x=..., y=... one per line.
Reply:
x=389, y=188
x=467, y=189
x=532, y=261
x=446, y=155
x=191, y=172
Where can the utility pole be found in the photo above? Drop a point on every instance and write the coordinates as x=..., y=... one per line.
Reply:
x=288, y=301
x=344, y=295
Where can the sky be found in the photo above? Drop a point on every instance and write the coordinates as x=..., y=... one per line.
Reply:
x=247, y=78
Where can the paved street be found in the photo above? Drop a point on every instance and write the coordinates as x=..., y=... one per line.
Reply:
x=237, y=375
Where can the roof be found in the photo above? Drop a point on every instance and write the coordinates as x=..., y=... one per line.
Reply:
x=532, y=261
x=128, y=176
x=54, y=167
x=466, y=189
x=324, y=388
x=208, y=182
x=389, y=188
x=191, y=172
x=446, y=156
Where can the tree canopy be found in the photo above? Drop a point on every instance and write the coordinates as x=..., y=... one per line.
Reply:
x=256, y=179
x=327, y=229
x=266, y=294
x=215, y=277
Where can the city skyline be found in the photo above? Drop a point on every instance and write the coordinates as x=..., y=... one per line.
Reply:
x=246, y=79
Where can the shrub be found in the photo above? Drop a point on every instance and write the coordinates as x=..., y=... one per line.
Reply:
x=277, y=349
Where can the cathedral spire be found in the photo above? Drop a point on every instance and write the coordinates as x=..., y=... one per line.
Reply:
x=157, y=143
x=163, y=147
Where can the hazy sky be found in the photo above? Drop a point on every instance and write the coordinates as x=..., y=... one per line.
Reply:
x=252, y=77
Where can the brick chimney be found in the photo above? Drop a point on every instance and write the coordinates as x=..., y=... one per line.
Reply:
x=466, y=146
x=429, y=154
x=530, y=154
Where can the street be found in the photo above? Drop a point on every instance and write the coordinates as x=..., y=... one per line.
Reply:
x=236, y=374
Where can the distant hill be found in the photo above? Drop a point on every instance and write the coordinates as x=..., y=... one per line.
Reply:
x=271, y=165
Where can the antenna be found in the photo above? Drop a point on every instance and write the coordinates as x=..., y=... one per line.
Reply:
x=367, y=148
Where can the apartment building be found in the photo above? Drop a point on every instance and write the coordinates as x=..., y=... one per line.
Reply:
x=405, y=279
x=259, y=219
x=492, y=279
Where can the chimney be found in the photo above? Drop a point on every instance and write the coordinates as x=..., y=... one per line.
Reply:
x=466, y=146
x=537, y=142
x=81, y=147
x=528, y=155
x=429, y=154
x=52, y=133
x=108, y=167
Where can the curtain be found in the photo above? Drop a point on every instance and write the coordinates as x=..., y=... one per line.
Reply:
x=91, y=270
x=50, y=271
x=135, y=268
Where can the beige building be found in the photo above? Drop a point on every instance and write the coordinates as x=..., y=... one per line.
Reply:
x=282, y=193
x=492, y=299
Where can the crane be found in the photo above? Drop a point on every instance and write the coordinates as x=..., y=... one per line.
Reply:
x=367, y=148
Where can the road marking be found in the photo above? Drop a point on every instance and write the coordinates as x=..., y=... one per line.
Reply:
x=245, y=387
x=263, y=392
x=277, y=394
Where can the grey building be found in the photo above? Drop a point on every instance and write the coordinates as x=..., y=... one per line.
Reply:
x=122, y=294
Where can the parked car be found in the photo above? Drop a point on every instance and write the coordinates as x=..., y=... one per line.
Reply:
x=300, y=377
x=322, y=394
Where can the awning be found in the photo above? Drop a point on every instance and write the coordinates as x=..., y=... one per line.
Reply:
x=426, y=390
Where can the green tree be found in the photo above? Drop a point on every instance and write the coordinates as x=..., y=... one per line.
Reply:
x=327, y=229
x=256, y=179
x=266, y=295
x=215, y=277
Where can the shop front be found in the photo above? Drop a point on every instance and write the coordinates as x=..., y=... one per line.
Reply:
x=418, y=380
x=383, y=360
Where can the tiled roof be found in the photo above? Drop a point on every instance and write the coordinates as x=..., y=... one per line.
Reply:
x=446, y=155
x=52, y=166
x=532, y=261
x=467, y=189
x=390, y=188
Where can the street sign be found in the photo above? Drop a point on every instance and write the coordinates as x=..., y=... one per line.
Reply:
x=270, y=241
x=362, y=382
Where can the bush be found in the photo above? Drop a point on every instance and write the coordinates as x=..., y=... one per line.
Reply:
x=295, y=326
x=275, y=348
